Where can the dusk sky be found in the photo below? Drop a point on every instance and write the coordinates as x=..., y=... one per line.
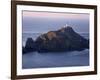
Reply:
x=54, y=15
x=45, y=21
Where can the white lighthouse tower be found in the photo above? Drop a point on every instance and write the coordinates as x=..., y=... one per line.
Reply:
x=65, y=25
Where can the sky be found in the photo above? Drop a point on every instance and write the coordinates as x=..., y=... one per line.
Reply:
x=54, y=15
x=39, y=22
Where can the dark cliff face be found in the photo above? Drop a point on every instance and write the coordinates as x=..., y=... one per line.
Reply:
x=30, y=46
x=64, y=39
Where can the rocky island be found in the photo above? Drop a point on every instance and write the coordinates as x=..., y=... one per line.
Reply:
x=64, y=39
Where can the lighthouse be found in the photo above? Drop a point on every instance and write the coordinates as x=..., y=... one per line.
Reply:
x=65, y=25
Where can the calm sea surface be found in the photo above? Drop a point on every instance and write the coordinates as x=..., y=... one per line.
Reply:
x=61, y=59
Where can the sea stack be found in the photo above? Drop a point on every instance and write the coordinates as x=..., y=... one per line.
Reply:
x=30, y=46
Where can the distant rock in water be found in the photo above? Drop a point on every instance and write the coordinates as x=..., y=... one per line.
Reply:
x=30, y=46
x=64, y=39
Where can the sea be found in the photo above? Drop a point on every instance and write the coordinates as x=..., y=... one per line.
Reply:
x=50, y=59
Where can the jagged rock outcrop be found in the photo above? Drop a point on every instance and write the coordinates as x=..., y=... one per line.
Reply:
x=30, y=46
x=64, y=39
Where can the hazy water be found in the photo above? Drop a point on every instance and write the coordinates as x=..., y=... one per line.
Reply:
x=42, y=60
x=61, y=59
